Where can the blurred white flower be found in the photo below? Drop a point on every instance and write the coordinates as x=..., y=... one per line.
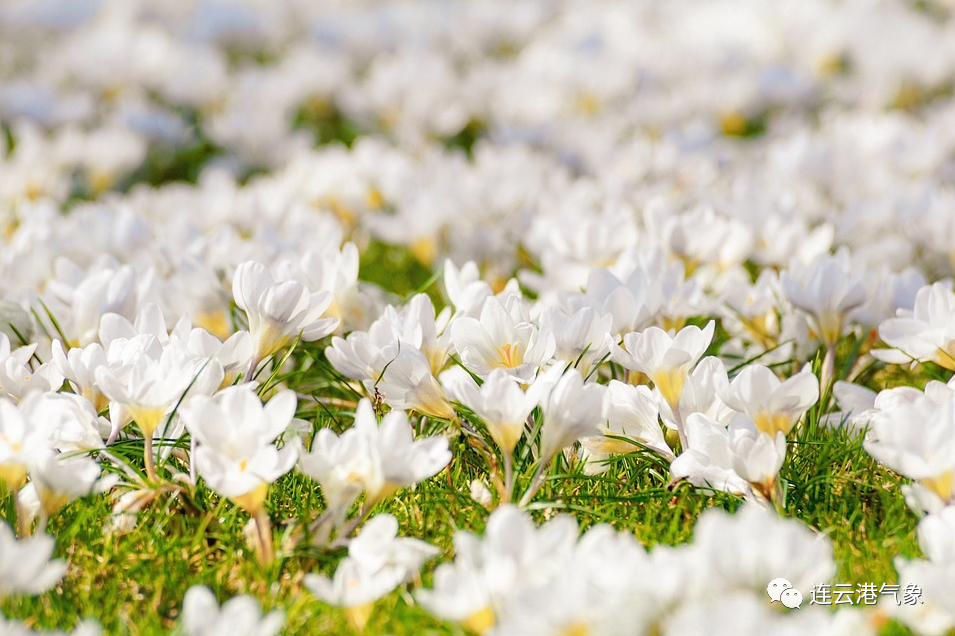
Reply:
x=25, y=564
x=59, y=479
x=378, y=561
x=828, y=290
x=917, y=440
x=926, y=333
x=239, y=616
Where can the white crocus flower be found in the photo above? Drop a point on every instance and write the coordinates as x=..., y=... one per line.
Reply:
x=408, y=384
x=934, y=576
x=774, y=405
x=22, y=444
x=476, y=587
x=59, y=479
x=378, y=561
x=573, y=409
x=746, y=550
x=17, y=377
x=737, y=459
x=363, y=355
x=396, y=458
x=827, y=290
x=236, y=434
x=25, y=565
x=278, y=311
x=501, y=404
x=78, y=298
x=580, y=336
x=504, y=408
x=702, y=393
x=15, y=628
x=149, y=380
x=337, y=464
x=926, y=333
x=377, y=459
x=236, y=453
x=917, y=440
x=667, y=360
x=70, y=420
x=78, y=365
x=239, y=616
x=632, y=414
x=503, y=338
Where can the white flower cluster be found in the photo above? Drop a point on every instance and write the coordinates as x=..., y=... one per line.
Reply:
x=519, y=579
x=647, y=220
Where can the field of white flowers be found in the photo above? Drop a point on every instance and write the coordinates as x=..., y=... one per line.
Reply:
x=448, y=317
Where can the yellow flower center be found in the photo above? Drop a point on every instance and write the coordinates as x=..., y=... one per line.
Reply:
x=771, y=423
x=480, y=621
x=147, y=417
x=576, y=628
x=424, y=249
x=943, y=485
x=253, y=500
x=506, y=436
x=14, y=475
x=510, y=355
x=670, y=384
x=50, y=501
x=215, y=322
x=358, y=616
x=945, y=356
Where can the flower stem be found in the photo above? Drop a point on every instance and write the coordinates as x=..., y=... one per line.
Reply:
x=148, y=458
x=44, y=520
x=508, y=477
x=678, y=418
x=828, y=368
x=341, y=537
x=263, y=527
x=536, y=484
x=251, y=372
x=23, y=526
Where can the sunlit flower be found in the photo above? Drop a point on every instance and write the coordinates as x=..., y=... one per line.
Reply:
x=501, y=404
x=236, y=455
x=737, y=458
x=774, y=405
x=828, y=291
x=927, y=333
x=25, y=565
x=377, y=458
x=632, y=414
x=572, y=409
x=378, y=561
x=665, y=359
x=278, y=311
x=59, y=479
x=239, y=616
x=407, y=383
x=502, y=338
